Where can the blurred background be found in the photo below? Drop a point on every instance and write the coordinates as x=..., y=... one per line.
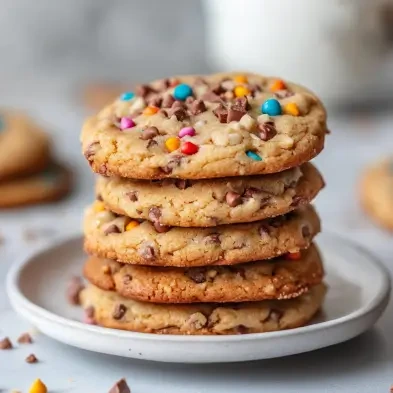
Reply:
x=63, y=59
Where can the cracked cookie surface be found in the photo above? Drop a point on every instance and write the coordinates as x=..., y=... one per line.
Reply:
x=108, y=235
x=280, y=278
x=212, y=126
x=205, y=203
x=109, y=309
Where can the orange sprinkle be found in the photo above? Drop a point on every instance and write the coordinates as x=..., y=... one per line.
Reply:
x=293, y=256
x=150, y=110
x=277, y=85
x=240, y=79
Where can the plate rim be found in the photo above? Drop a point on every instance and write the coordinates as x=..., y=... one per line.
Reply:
x=16, y=297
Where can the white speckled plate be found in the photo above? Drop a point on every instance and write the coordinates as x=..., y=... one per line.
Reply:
x=358, y=294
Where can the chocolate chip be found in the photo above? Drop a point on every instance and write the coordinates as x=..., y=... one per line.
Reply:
x=127, y=279
x=298, y=200
x=235, y=115
x=31, y=359
x=241, y=104
x=119, y=311
x=91, y=150
x=99, y=197
x=163, y=84
x=5, y=343
x=213, y=238
x=217, y=88
x=74, y=288
x=267, y=130
x=147, y=252
x=189, y=100
x=155, y=100
x=233, y=199
x=197, y=107
x=179, y=113
x=198, y=275
x=132, y=196
x=221, y=113
x=174, y=162
x=120, y=387
x=112, y=228
x=251, y=192
x=25, y=338
x=306, y=231
x=163, y=112
x=211, y=97
x=275, y=315
x=283, y=94
x=241, y=329
x=276, y=222
x=144, y=90
x=149, y=133
x=264, y=231
x=178, y=104
x=102, y=170
x=154, y=214
x=89, y=312
x=182, y=184
x=161, y=228
x=151, y=143
x=168, y=101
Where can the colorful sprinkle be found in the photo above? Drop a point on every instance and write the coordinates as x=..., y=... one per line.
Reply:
x=131, y=225
x=240, y=79
x=38, y=387
x=277, y=85
x=190, y=131
x=189, y=148
x=98, y=206
x=271, y=107
x=241, y=91
x=126, y=122
x=182, y=91
x=293, y=256
x=150, y=110
x=291, y=109
x=253, y=156
x=129, y=95
x=172, y=143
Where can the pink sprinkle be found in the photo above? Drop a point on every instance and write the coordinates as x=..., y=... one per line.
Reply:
x=126, y=122
x=186, y=131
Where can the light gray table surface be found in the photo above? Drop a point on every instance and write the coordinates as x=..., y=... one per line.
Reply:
x=362, y=365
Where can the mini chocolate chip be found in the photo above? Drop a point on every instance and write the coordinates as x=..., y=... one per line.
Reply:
x=182, y=184
x=241, y=104
x=221, y=113
x=275, y=315
x=5, y=343
x=211, y=97
x=154, y=214
x=235, y=115
x=91, y=150
x=119, y=311
x=151, y=143
x=306, y=231
x=198, y=275
x=179, y=113
x=213, y=238
x=120, y=387
x=267, y=130
x=144, y=90
x=111, y=229
x=127, y=279
x=147, y=252
x=161, y=228
x=168, y=101
x=217, y=88
x=25, y=338
x=174, y=162
x=132, y=196
x=149, y=133
x=74, y=288
x=197, y=107
x=99, y=197
x=163, y=112
x=31, y=358
x=298, y=200
x=233, y=199
x=264, y=231
x=241, y=329
x=283, y=94
x=251, y=192
x=155, y=100
x=89, y=312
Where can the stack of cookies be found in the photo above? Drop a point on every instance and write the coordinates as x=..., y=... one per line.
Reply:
x=28, y=173
x=203, y=222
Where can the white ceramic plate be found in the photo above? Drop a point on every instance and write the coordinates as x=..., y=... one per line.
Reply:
x=358, y=293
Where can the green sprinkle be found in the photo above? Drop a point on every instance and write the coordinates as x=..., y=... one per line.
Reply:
x=253, y=156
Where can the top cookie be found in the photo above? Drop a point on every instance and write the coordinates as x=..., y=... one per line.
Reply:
x=24, y=148
x=205, y=127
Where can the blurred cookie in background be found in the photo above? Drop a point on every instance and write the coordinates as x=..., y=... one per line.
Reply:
x=376, y=190
x=51, y=184
x=24, y=147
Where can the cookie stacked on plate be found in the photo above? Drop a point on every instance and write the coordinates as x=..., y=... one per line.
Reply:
x=202, y=223
x=28, y=173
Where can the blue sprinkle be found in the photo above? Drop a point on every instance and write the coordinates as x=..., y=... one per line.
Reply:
x=271, y=107
x=182, y=91
x=253, y=156
x=129, y=95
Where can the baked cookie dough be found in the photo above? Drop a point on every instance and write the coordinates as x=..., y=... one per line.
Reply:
x=113, y=311
x=205, y=203
x=49, y=185
x=194, y=127
x=24, y=147
x=376, y=192
x=118, y=237
x=281, y=278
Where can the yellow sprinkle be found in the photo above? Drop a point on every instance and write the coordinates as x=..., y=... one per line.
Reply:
x=240, y=79
x=172, y=143
x=38, y=387
x=291, y=109
x=131, y=225
x=241, y=91
x=99, y=206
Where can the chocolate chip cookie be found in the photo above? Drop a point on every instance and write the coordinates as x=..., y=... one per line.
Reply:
x=24, y=147
x=206, y=127
x=109, y=309
x=108, y=235
x=376, y=192
x=285, y=277
x=49, y=185
x=205, y=203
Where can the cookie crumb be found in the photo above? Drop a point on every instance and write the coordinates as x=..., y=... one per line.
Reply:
x=74, y=288
x=25, y=338
x=5, y=343
x=120, y=387
x=31, y=358
x=38, y=387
